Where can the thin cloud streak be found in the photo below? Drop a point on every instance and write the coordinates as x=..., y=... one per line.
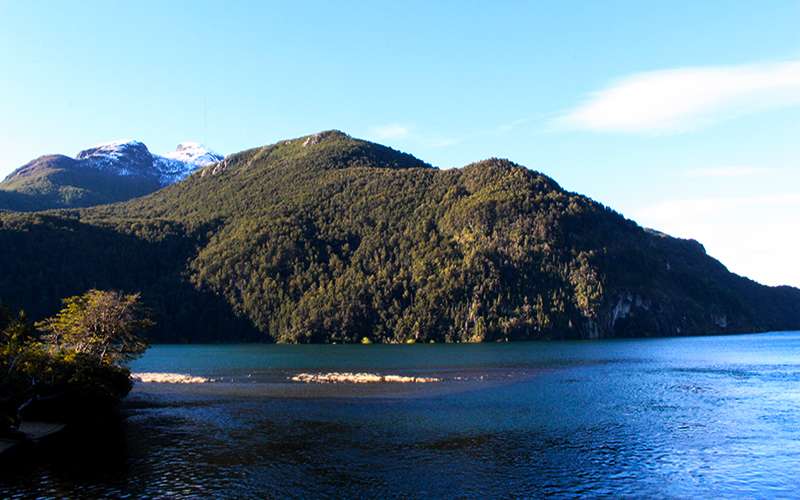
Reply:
x=692, y=208
x=728, y=171
x=390, y=131
x=677, y=100
x=498, y=131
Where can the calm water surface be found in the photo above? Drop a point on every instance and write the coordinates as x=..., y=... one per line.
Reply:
x=709, y=416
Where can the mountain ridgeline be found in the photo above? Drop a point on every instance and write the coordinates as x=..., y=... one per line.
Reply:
x=328, y=238
x=107, y=173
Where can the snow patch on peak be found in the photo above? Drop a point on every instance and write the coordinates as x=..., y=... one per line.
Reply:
x=114, y=150
x=129, y=157
x=187, y=157
x=124, y=157
x=118, y=143
x=194, y=153
x=112, y=147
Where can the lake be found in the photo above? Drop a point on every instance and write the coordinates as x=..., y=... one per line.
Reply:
x=678, y=417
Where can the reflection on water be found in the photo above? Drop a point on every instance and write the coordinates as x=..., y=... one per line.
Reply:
x=672, y=417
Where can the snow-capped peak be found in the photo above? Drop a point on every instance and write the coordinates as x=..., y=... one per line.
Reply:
x=130, y=157
x=112, y=149
x=117, y=143
x=194, y=154
x=126, y=157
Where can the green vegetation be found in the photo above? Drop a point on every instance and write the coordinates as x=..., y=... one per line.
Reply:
x=327, y=238
x=102, y=324
x=72, y=367
x=57, y=181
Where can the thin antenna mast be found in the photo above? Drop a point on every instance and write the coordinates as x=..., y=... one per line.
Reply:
x=205, y=120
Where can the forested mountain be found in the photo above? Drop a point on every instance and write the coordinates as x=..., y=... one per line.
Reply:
x=329, y=238
x=117, y=171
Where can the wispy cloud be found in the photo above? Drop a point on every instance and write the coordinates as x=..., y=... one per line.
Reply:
x=497, y=131
x=390, y=131
x=444, y=142
x=727, y=171
x=510, y=126
x=691, y=208
x=676, y=100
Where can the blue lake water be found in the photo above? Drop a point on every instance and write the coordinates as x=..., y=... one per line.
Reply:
x=681, y=417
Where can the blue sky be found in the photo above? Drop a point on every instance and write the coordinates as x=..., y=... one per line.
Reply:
x=682, y=116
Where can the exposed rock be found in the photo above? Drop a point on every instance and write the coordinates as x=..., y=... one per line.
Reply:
x=311, y=140
x=359, y=378
x=169, y=378
x=720, y=320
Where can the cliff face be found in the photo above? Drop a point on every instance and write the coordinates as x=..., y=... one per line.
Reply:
x=328, y=238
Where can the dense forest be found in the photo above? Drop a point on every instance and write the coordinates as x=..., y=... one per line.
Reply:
x=327, y=238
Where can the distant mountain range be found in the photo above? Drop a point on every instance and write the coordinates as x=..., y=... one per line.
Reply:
x=107, y=173
x=328, y=238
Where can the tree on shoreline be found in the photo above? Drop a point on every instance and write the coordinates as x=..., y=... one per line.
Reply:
x=102, y=323
x=73, y=366
x=16, y=333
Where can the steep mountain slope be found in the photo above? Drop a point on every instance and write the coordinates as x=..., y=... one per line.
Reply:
x=328, y=238
x=107, y=173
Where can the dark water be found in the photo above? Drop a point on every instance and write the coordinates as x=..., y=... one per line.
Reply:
x=688, y=417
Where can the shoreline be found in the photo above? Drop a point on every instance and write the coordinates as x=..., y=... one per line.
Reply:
x=532, y=340
x=379, y=386
x=35, y=434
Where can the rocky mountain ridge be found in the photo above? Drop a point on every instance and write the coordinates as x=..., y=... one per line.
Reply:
x=109, y=172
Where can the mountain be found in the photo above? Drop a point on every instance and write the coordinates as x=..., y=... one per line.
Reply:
x=192, y=153
x=327, y=238
x=106, y=173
